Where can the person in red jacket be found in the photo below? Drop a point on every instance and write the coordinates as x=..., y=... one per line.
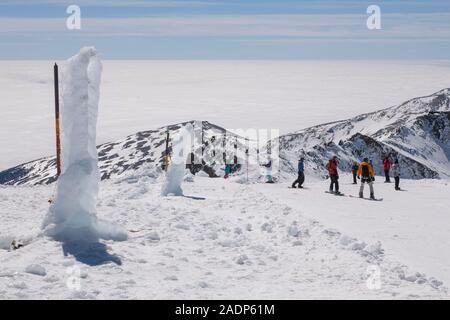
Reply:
x=387, y=167
x=332, y=168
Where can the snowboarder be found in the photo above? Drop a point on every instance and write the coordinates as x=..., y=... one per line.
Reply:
x=396, y=173
x=301, y=173
x=333, y=173
x=268, y=167
x=227, y=171
x=355, y=167
x=387, y=167
x=367, y=175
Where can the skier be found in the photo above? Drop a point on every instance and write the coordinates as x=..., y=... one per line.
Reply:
x=396, y=173
x=333, y=173
x=387, y=166
x=301, y=173
x=367, y=175
x=355, y=167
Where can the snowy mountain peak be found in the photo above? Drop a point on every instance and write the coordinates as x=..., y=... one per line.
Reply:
x=143, y=152
x=417, y=132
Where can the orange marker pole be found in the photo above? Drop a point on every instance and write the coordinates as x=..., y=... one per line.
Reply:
x=58, y=139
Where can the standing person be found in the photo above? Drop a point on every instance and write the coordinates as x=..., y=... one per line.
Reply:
x=268, y=165
x=396, y=173
x=333, y=173
x=367, y=175
x=387, y=167
x=227, y=171
x=301, y=173
x=355, y=167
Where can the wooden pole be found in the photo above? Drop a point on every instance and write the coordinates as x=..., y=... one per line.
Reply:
x=167, y=155
x=57, y=127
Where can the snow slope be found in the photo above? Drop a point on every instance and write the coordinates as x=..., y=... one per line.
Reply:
x=229, y=240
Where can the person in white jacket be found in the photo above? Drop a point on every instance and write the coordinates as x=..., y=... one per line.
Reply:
x=396, y=172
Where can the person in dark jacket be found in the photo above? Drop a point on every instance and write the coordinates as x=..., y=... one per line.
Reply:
x=227, y=171
x=355, y=167
x=301, y=174
x=268, y=165
x=387, y=167
x=332, y=168
x=396, y=173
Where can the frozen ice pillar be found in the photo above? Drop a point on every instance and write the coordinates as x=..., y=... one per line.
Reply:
x=177, y=167
x=73, y=214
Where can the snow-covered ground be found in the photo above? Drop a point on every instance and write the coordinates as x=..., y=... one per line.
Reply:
x=140, y=95
x=229, y=240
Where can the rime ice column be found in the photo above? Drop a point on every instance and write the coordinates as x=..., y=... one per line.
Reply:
x=177, y=167
x=73, y=213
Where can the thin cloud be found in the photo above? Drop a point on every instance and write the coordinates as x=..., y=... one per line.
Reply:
x=113, y=3
x=395, y=26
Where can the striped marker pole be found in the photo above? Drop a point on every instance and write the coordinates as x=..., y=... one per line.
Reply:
x=58, y=139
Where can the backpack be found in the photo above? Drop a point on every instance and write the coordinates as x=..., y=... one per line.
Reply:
x=365, y=171
x=332, y=167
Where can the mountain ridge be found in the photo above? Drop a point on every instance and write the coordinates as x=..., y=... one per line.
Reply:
x=417, y=132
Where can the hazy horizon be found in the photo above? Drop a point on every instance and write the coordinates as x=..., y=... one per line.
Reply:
x=142, y=95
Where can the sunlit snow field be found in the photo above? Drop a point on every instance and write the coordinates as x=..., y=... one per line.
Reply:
x=228, y=240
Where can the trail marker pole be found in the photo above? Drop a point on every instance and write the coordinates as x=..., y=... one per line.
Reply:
x=57, y=127
x=246, y=160
x=167, y=155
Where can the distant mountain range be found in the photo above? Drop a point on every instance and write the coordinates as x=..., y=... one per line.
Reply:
x=417, y=132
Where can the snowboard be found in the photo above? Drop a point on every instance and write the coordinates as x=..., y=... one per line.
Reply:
x=376, y=199
x=336, y=194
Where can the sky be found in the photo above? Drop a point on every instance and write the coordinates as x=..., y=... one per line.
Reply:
x=226, y=29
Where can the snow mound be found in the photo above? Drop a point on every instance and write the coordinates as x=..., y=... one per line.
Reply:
x=177, y=167
x=5, y=242
x=72, y=216
x=36, y=269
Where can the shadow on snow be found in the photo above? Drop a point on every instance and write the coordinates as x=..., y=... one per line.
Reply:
x=90, y=253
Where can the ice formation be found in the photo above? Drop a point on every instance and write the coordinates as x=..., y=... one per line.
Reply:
x=73, y=214
x=177, y=167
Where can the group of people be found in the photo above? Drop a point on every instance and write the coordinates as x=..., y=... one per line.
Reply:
x=231, y=168
x=363, y=171
x=388, y=166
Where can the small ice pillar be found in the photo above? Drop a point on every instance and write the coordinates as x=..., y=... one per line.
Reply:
x=73, y=214
x=177, y=167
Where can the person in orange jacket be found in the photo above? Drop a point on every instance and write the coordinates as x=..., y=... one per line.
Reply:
x=367, y=175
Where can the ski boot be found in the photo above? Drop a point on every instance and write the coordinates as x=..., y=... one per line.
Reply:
x=361, y=195
x=372, y=196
